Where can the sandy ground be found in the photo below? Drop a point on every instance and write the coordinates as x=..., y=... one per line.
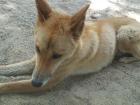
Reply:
x=118, y=84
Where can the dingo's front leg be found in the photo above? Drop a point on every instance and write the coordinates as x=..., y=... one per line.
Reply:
x=25, y=67
x=25, y=86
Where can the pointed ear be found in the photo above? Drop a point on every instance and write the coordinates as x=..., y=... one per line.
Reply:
x=43, y=10
x=77, y=22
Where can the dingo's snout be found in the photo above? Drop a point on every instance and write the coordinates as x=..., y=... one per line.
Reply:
x=37, y=83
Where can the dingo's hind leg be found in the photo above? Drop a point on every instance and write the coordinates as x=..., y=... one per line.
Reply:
x=128, y=41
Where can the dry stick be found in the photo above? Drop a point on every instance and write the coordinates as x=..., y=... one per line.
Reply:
x=22, y=68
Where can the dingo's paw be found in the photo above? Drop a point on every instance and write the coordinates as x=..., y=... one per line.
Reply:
x=128, y=60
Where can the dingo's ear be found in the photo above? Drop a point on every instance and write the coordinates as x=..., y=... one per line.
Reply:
x=77, y=22
x=43, y=10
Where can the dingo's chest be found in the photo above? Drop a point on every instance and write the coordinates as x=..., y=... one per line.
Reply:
x=104, y=55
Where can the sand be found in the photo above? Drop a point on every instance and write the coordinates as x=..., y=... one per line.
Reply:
x=117, y=84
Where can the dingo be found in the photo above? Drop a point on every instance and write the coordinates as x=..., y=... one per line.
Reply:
x=69, y=45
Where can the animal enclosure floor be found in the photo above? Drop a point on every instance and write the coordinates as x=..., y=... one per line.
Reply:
x=117, y=84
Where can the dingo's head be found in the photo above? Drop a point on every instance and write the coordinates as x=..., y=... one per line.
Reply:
x=56, y=38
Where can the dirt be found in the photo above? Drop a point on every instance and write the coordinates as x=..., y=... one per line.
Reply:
x=117, y=84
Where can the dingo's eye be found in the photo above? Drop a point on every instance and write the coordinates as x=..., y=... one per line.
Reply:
x=37, y=49
x=56, y=56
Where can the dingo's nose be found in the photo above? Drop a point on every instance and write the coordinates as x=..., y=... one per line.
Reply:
x=37, y=83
